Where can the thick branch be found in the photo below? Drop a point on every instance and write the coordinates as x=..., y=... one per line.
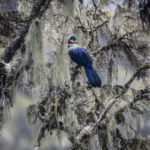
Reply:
x=16, y=42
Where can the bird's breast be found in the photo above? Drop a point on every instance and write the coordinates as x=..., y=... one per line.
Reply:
x=71, y=50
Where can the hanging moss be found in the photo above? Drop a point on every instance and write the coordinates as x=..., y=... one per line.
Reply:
x=59, y=71
x=35, y=52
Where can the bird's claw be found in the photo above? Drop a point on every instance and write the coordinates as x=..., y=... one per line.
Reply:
x=88, y=85
x=77, y=67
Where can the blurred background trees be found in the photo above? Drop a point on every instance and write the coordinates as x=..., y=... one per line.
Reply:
x=33, y=42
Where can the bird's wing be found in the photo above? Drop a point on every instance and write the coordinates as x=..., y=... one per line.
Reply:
x=80, y=56
x=87, y=55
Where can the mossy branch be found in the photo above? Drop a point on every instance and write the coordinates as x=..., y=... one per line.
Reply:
x=9, y=80
x=15, y=44
x=50, y=122
x=145, y=67
x=126, y=87
x=83, y=135
x=113, y=42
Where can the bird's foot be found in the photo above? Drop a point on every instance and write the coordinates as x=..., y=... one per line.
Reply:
x=77, y=66
x=89, y=86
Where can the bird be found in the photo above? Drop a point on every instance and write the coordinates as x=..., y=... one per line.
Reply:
x=79, y=55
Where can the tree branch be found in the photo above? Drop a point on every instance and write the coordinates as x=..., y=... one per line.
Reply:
x=50, y=122
x=83, y=135
x=112, y=43
x=16, y=42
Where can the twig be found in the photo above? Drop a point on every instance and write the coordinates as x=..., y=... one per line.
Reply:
x=100, y=25
x=94, y=4
x=112, y=43
x=88, y=43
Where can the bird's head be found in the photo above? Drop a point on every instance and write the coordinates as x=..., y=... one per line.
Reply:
x=72, y=40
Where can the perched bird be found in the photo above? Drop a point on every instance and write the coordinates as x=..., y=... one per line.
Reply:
x=80, y=56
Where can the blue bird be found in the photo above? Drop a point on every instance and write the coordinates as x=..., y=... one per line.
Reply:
x=80, y=56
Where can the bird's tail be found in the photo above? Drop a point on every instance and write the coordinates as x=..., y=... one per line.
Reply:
x=92, y=76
